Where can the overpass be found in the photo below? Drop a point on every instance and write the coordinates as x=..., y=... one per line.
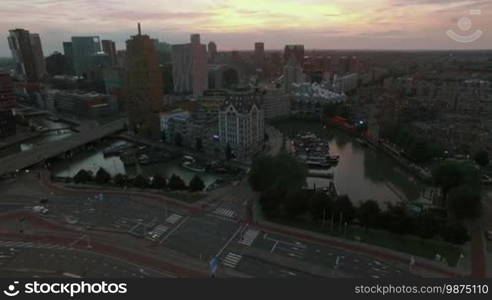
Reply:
x=22, y=160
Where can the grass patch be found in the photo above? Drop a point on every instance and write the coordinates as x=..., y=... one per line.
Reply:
x=185, y=196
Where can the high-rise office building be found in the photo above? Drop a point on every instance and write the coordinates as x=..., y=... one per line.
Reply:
x=83, y=50
x=7, y=106
x=295, y=51
x=259, y=53
x=212, y=51
x=190, y=74
x=68, y=52
x=144, y=84
x=109, y=47
x=37, y=50
x=27, y=54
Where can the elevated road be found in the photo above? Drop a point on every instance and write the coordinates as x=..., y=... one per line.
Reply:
x=10, y=164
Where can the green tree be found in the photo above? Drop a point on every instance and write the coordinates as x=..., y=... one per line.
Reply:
x=455, y=233
x=426, y=227
x=178, y=139
x=158, y=181
x=141, y=182
x=369, y=213
x=465, y=202
x=344, y=208
x=102, y=176
x=176, y=183
x=482, y=158
x=196, y=184
x=450, y=174
x=120, y=179
x=320, y=205
x=199, y=145
x=82, y=176
x=295, y=203
x=282, y=171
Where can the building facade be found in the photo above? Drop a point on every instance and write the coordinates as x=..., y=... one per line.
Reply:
x=83, y=50
x=190, y=73
x=27, y=54
x=241, y=125
x=144, y=86
x=109, y=47
x=7, y=106
x=296, y=52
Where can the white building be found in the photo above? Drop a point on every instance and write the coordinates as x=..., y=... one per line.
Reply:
x=241, y=124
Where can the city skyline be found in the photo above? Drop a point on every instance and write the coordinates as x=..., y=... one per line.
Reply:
x=236, y=25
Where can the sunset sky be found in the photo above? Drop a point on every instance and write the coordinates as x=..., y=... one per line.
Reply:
x=237, y=24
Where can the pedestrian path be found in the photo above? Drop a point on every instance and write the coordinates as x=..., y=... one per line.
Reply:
x=231, y=260
x=18, y=244
x=224, y=212
x=249, y=237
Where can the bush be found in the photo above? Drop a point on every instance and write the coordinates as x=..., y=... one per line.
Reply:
x=455, y=233
x=82, y=176
x=176, y=183
x=158, y=182
x=196, y=184
x=120, y=180
x=141, y=182
x=102, y=176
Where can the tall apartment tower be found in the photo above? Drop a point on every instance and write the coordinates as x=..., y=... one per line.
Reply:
x=259, y=53
x=190, y=74
x=83, y=50
x=109, y=47
x=144, y=83
x=7, y=106
x=212, y=51
x=296, y=52
x=27, y=53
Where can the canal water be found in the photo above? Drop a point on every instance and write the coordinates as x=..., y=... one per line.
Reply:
x=362, y=173
x=93, y=160
x=57, y=132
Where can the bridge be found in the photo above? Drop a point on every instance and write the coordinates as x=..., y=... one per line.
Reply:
x=22, y=160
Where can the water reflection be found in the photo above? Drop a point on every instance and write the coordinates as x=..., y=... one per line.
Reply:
x=362, y=173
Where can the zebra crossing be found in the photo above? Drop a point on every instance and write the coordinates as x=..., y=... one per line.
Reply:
x=231, y=260
x=172, y=219
x=224, y=212
x=249, y=237
x=16, y=244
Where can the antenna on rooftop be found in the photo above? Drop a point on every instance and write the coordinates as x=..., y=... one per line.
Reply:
x=139, y=29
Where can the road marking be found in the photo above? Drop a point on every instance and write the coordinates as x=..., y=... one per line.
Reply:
x=249, y=237
x=174, y=230
x=274, y=246
x=224, y=212
x=172, y=219
x=231, y=260
x=231, y=239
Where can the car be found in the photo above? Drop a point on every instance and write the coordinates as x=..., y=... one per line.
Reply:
x=488, y=234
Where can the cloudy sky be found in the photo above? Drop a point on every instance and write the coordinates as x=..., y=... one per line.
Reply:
x=237, y=24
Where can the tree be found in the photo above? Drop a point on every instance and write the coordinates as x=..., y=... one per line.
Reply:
x=82, y=176
x=176, y=183
x=282, y=171
x=199, y=145
x=320, y=205
x=295, y=203
x=465, y=202
x=344, y=208
x=482, y=158
x=368, y=213
x=228, y=152
x=196, y=184
x=426, y=227
x=178, y=139
x=397, y=220
x=455, y=233
x=102, y=176
x=141, y=182
x=158, y=181
x=450, y=174
x=163, y=136
x=120, y=180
